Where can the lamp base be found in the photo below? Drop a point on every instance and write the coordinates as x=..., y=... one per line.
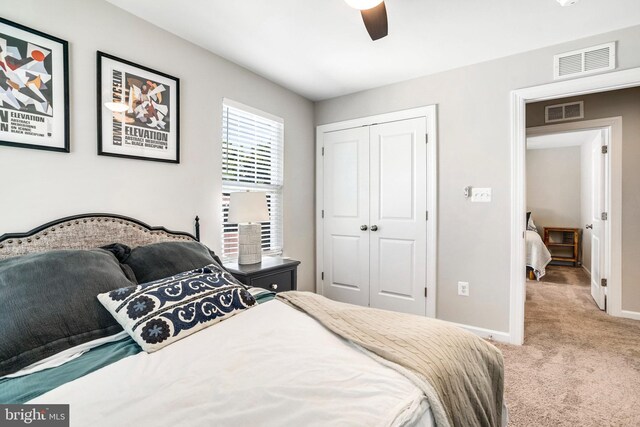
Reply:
x=250, y=243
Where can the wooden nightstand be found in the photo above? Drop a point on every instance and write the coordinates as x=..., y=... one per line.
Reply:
x=563, y=243
x=273, y=273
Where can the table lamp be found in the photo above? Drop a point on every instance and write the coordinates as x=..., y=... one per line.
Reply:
x=248, y=209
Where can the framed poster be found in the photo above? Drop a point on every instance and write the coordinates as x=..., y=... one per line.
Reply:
x=138, y=111
x=34, y=89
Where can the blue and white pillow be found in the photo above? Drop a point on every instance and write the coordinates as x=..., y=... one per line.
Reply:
x=164, y=311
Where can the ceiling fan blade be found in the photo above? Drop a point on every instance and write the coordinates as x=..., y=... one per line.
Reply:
x=375, y=19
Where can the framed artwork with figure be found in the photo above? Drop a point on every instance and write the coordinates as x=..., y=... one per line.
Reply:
x=138, y=111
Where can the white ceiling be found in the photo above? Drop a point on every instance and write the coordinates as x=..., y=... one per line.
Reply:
x=320, y=48
x=559, y=140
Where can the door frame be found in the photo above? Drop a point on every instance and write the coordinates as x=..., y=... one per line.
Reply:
x=430, y=114
x=613, y=239
x=519, y=99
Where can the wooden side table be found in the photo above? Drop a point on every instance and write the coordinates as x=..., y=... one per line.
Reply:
x=564, y=243
x=276, y=274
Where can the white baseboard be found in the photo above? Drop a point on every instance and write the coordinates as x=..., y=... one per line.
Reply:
x=503, y=337
x=586, y=269
x=630, y=314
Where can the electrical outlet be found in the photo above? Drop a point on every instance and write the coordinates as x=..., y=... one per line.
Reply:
x=463, y=289
x=482, y=195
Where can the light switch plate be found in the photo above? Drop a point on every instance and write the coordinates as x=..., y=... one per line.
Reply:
x=481, y=195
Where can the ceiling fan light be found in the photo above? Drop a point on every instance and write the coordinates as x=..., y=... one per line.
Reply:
x=363, y=4
x=116, y=107
x=564, y=3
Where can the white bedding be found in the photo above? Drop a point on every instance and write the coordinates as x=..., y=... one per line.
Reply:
x=538, y=256
x=268, y=366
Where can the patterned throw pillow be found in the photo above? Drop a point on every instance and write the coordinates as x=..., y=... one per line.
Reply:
x=164, y=311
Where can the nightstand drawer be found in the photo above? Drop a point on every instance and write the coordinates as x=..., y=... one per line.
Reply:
x=277, y=282
x=272, y=272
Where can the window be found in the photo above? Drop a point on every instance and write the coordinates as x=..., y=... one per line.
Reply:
x=252, y=159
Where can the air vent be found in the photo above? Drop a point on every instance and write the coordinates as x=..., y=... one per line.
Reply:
x=564, y=112
x=585, y=61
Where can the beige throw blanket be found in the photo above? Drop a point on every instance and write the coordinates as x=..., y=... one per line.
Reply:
x=461, y=374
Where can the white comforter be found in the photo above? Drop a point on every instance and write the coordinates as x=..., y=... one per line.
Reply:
x=268, y=366
x=538, y=256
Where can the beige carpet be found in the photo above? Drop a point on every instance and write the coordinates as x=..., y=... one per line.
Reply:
x=578, y=366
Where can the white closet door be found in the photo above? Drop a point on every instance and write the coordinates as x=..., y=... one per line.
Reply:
x=398, y=248
x=346, y=210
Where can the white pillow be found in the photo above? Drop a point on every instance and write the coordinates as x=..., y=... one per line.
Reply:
x=164, y=311
x=65, y=356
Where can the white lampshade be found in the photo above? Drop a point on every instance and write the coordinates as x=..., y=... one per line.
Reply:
x=363, y=4
x=116, y=107
x=248, y=206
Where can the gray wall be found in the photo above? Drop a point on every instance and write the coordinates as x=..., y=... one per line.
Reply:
x=38, y=186
x=625, y=103
x=559, y=190
x=474, y=137
x=554, y=187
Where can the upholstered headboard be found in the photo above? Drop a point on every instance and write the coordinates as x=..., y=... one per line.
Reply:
x=88, y=231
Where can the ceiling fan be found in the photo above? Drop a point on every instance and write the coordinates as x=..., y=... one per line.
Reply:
x=374, y=15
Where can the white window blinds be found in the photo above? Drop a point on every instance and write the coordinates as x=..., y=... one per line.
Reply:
x=252, y=159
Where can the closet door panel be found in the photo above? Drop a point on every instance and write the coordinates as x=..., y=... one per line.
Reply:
x=346, y=209
x=395, y=158
x=395, y=278
x=398, y=185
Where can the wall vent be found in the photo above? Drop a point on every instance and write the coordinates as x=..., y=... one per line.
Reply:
x=590, y=60
x=564, y=112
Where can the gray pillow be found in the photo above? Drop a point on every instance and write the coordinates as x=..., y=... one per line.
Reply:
x=49, y=303
x=159, y=260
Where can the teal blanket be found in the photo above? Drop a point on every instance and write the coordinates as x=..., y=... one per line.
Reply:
x=23, y=389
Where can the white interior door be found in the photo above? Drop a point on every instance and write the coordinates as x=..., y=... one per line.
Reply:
x=398, y=224
x=346, y=211
x=598, y=238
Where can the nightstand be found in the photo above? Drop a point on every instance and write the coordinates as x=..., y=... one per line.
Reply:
x=563, y=243
x=273, y=273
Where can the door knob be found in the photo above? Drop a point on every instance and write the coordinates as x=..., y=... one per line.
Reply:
x=363, y=227
x=589, y=226
x=374, y=228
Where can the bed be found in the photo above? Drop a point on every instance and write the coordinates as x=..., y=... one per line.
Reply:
x=290, y=359
x=538, y=256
